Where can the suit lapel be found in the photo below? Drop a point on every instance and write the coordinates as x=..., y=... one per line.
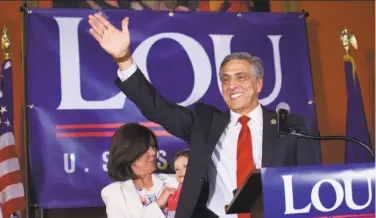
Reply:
x=158, y=185
x=218, y=125
x=132, y=199
x=269, y=139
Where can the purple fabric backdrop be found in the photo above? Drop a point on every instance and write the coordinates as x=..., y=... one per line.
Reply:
x=77, y=107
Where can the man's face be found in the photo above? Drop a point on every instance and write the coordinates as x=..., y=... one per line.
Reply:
x=239, y=86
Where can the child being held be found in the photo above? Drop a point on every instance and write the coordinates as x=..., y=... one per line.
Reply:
x=180, y=166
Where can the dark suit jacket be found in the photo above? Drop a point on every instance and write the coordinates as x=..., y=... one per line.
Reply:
x=201, y=127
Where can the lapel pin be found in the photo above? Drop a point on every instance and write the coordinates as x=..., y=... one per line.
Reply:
x=273, y=121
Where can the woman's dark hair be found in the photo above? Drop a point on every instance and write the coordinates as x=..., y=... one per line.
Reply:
x=128, y=143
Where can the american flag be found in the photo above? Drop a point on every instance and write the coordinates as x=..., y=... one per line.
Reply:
x=12, y=197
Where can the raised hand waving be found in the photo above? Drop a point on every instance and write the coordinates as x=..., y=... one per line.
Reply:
x=114, y=41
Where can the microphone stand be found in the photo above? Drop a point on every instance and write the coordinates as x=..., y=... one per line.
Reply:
x=301, y=135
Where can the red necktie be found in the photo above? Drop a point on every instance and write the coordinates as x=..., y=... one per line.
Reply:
x=244, y=155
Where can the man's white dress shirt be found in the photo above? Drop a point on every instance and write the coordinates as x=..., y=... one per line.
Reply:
x=222, y=168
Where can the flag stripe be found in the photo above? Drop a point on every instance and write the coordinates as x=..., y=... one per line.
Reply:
x=1, y=211
x=11, y=192
x=355, y=215
x=9, y=166
x=349, y=216
x=9, y=179
x=13, y=205
x=103, y=125
x=6, y=139
x=7, y=153
x=101, y=134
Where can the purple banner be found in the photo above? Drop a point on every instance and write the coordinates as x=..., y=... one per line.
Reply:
x=77, y=106
x=335, y=191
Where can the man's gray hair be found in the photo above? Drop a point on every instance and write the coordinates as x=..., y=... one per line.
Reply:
x=256, y=63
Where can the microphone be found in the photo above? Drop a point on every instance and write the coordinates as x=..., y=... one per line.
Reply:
x=284, y=129
x=283, y=110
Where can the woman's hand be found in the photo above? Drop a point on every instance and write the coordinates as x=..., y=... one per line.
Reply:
x=163, y=198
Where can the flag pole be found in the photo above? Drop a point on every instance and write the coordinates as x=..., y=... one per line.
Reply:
x=32, y=210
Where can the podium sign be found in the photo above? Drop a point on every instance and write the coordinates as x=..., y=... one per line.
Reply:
x=319, y=191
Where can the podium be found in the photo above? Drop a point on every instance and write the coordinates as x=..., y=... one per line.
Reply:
x=308, y=191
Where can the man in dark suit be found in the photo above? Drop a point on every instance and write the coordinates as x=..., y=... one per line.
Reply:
x=225, y=146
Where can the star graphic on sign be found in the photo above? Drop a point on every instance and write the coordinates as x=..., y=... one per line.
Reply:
x=3, y=109
x=1, y=94
x=7, y=122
